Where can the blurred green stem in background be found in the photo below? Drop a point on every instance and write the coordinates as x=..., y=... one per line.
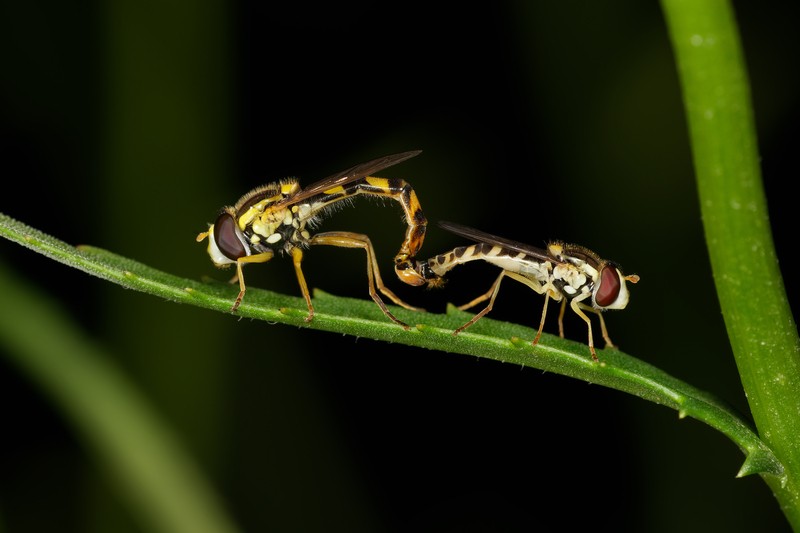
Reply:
x=161, y=482
x=760, y=326
x=166, y=124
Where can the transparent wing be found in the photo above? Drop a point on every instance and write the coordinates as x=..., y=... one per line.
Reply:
x=346, y=176
x=487, y=238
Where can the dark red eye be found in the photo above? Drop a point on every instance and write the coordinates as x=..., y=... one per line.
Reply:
x=608, y=290
x=226, y=237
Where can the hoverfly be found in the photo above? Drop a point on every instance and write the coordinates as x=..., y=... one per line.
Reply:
x=277, y=219
x=563, y=272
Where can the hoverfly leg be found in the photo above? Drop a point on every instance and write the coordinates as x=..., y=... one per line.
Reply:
x=541, y=321
x=481, y=298
x=345, y=239
x=561, y=318
x=240, y=278
x=577, y=306
x=257, y=258
x=604, y=331
x=297, y=260
x=491, y=295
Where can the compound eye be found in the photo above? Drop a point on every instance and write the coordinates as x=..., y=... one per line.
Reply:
x=226, y=235
x=608, y=290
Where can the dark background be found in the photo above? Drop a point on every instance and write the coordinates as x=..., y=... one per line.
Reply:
x=127, y=126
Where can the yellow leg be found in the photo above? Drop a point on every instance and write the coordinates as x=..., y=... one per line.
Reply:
x=541, y=321
x=346, y=239
x=483, y=297
x=297, y=260
x=561, y=318
x=603, y=329
x=576, y=306
x=258, y=258
x=491, y=295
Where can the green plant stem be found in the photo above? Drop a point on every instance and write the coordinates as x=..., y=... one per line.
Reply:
x=488, y=338
x=757, y=316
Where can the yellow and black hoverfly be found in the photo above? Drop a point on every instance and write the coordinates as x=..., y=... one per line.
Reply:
x=563, y=272
x=277, y=219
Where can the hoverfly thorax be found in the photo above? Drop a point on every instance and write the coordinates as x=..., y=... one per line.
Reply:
x=269, y=221
x=584, y=270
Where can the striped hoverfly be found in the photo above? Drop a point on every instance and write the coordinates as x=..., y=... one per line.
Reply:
x=276, y=219
x=563, y=272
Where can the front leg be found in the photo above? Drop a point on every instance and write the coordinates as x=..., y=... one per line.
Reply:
x=257, y=258
x=576, y=306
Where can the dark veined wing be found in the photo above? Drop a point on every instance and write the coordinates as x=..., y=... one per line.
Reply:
x=487, y=238
x=346, y=176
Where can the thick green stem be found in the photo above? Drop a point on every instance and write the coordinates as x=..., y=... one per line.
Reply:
x=758, y=318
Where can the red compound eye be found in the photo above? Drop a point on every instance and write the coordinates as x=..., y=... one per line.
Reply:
x=608, y=288
x=225, y=235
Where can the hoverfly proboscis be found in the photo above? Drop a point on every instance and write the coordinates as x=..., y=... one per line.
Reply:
x=563, y=272
x=277, y=219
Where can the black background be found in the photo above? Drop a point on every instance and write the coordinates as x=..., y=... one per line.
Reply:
x=128, y=126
